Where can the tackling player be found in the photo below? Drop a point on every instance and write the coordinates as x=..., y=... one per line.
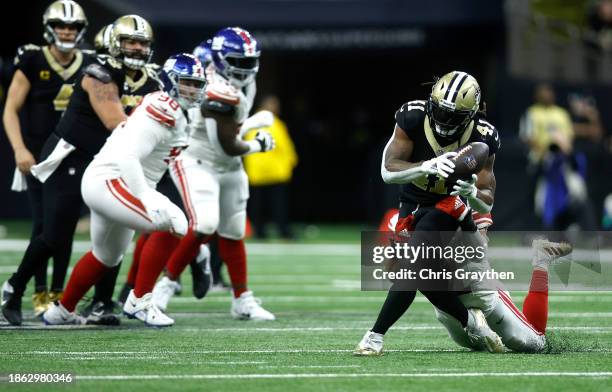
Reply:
x=119, y=188
x=139, y=81
x=40, y=89
x=93, y=112
x=418, y=157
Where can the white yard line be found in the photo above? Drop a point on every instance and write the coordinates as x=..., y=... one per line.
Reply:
x=119, y=377
x=352, y=250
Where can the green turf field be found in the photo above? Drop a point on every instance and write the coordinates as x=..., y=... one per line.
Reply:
x=314, y=291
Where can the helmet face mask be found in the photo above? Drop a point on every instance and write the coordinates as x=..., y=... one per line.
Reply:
x=453, y=103
x=61, y=15
x=130, y=41
x=235, y=54
x=184, y=80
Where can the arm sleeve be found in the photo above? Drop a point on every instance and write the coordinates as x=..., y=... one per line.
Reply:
x=139, y=137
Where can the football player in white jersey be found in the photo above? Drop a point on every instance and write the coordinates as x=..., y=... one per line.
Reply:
x=119, y=188
x=211, y=178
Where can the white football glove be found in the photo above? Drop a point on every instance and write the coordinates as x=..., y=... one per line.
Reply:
x=441, y=166
x=262, y=142
x=466, y=188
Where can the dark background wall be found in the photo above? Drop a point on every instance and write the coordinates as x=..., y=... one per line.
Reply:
x=341, y=69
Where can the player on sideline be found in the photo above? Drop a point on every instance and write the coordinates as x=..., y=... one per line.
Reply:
x=418, y=157
x=40, y=89
x=119, y=188
x=212, y=180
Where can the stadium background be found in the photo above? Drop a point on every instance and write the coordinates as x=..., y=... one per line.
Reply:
x=342, y=68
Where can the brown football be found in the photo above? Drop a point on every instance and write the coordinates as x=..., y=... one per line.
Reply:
x=470, y=159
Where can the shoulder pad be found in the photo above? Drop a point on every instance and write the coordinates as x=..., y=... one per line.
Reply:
x=410, y=115
x=105, y=59
x=99, y=72
x=218, y=89
x=488, y=134
x=162, y=108
x=26, y=51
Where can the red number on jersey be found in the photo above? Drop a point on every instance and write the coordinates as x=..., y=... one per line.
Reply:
x=173, y=104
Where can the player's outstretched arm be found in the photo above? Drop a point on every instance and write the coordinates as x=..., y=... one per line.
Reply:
x=17, y=93
x=396, y=168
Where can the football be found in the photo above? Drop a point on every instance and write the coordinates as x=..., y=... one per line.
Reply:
x=470, y=159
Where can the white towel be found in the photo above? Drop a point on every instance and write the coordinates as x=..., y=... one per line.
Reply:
x=43, y=170
x=19, y=181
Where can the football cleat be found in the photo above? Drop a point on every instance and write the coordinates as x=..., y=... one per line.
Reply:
x=57, y=314
x=200, y=273
x=480, y=334
x=145, y=310
x=11, y=304
x=247, y=307
x=371, y=345
x=547, y=252
x=163, y=291
x=40, y=303
x=100, y=313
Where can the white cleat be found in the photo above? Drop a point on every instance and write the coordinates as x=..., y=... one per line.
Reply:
x=247, y=307
x=163, y=291
x=547, y=252
x=57, y=314
x=371, y=345
x=480, y=334
x=145, y=310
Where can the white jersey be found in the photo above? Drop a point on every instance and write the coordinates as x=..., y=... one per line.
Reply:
x=202, y=145
x=154, y=134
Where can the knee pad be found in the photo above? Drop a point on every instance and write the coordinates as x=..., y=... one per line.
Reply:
x=177, y=220
x=234, y=227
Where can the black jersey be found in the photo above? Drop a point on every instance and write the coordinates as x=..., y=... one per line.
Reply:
x=51, y=86
x=146, y=81
x=80, y=125
x=413, y=119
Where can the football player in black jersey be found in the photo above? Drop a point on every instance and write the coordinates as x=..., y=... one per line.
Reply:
x=138, y=82
x=418, y=157
x=93, y=112
x=40, y=90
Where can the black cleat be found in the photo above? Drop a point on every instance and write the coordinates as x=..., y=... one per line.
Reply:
x=11, y=305
x=200, y=273
x=102, y=313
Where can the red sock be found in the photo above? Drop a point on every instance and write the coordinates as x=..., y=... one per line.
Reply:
x=155, y=253
x=233, y=254
x=184, y=254
x=535, y=306
x=131, y=277
x=86, y=273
